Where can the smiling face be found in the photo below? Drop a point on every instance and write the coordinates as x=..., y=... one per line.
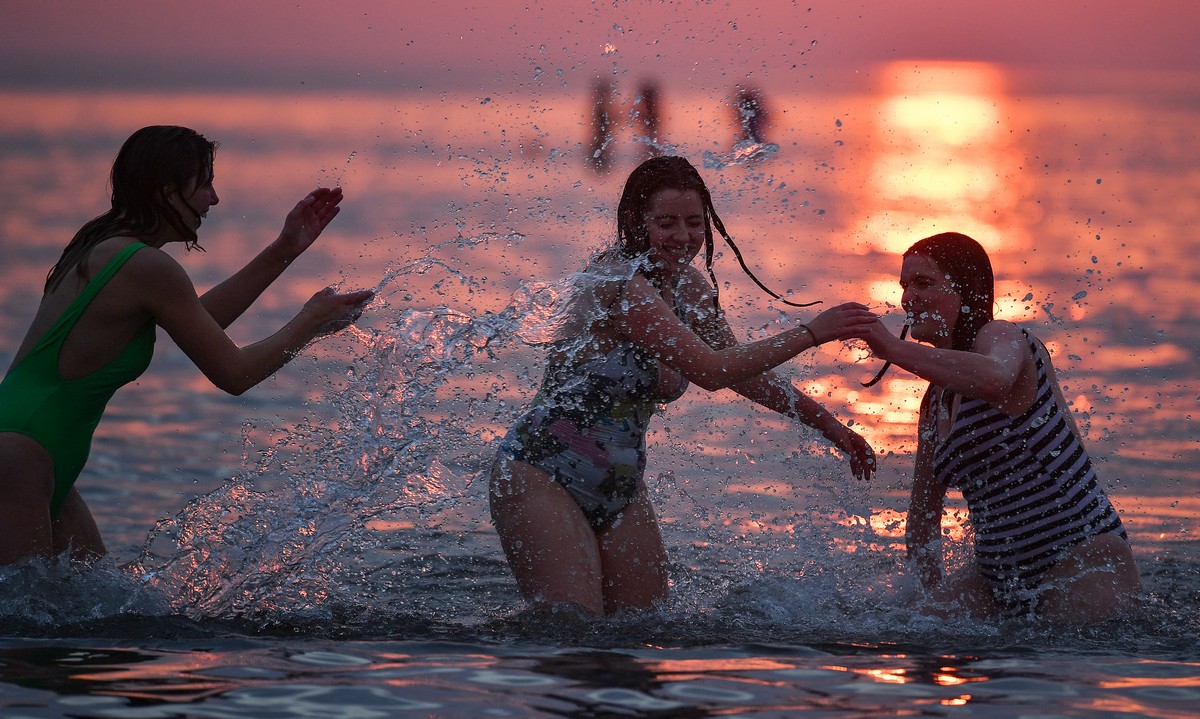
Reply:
x=930, y=299
x=193, y=201
x=674, y=222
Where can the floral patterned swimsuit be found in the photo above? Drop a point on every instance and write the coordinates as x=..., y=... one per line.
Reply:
x=587, y=428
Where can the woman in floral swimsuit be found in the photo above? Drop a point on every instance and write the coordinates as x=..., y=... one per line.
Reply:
x=567, y=492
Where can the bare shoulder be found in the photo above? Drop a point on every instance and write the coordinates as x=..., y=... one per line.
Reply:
x=694, y=288
x=157, y=275
x=1000, y=336
x=152, y=263
x=694, y=285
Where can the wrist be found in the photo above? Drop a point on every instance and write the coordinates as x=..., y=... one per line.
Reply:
x=812, y=336
x=832, y=429
x=282, y=250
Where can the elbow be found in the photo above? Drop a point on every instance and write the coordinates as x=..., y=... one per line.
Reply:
x=708, y=385
x=237, y=389
x=711, y=381
x=232, y=384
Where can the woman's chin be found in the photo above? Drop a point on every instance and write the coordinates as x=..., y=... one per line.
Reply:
x=933, y=335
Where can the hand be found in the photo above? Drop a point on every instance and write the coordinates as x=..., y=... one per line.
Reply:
x=879, y=339
x=332, y=312
x=309, y=218
x=857, y=451
x=843, y=322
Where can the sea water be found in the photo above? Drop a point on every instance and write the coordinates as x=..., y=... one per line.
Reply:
x=321, y=546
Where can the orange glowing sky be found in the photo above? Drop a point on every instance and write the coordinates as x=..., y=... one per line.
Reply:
x=392, y=45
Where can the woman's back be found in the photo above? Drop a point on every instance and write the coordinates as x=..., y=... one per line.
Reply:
x=110, y=321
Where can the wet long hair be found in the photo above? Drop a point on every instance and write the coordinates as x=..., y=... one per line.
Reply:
x=668, y=172
x=966, y=265
x=153, y=163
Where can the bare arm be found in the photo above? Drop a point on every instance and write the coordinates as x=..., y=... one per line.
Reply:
x=923, y=530
x=990, y=372
x=644, y=318
x=776, y=393
x=170, y=298
x=779, y=395
x=228, y=300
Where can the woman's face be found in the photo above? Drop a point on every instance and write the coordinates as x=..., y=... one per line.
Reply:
x=675, y=225
x=931, y=301
x=192, y=202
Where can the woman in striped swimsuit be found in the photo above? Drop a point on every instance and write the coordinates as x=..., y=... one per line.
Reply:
x=995, y=426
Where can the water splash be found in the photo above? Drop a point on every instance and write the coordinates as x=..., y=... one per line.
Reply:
x=416, y=419
x=372, y=519
x=747, y=152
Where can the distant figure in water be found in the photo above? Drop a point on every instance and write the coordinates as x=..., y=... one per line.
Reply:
x=94, y=330
x=567, y=491
x=751, y=114
x=994, y=425
x=600, y=145
x=646, y=118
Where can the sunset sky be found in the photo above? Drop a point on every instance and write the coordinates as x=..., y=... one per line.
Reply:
x=553, y=47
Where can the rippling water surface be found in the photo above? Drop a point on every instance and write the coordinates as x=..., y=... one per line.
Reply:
x=321, y=546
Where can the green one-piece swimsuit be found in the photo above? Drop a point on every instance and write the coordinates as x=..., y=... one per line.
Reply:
x=62, y=414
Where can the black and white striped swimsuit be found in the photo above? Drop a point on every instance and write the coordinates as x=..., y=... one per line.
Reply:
x=1028, y=483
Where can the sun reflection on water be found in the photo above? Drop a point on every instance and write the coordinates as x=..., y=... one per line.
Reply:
x=942, y=158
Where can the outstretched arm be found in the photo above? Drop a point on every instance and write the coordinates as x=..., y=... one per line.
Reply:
x=228, y=300
x=644, y=318
x=990, y=372
x=776, y=393
x=780, y=395
x=170, y=298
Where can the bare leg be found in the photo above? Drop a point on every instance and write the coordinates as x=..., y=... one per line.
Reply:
x=549, y=544
x=75, y=529
x=1095, y=581
x=633, y=558
x=26, y=487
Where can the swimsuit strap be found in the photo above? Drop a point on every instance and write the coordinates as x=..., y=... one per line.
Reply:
x=66, y=321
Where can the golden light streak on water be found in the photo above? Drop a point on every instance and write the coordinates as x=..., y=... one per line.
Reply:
x=941, y=158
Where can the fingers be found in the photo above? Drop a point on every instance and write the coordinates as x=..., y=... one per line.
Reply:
x=325, y=195
x=861, y=456
x=336, y=311
x=352, y=304
x=323, y=203
x=846, y=321
x=356, y=297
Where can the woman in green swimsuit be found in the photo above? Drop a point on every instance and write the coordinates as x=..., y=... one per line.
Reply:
x=95, y=327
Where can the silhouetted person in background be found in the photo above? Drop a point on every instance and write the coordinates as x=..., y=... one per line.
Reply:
x=646, y=119
x=600, y=146
x=751, y=115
